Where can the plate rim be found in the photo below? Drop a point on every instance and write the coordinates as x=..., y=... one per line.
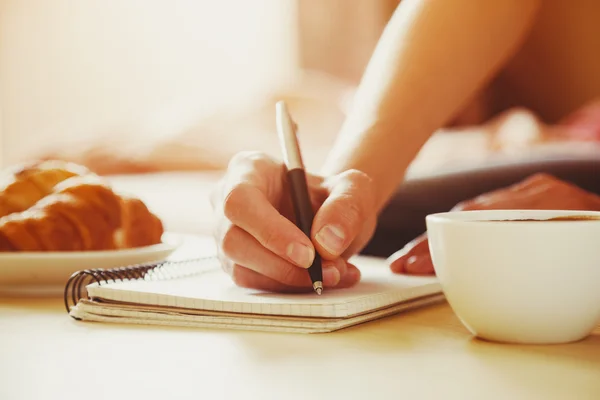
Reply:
x=170, y=241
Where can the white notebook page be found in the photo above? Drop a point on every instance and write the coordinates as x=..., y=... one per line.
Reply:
x=213, y=290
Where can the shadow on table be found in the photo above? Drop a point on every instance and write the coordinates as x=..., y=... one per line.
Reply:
x=433, y=329
x=414, y=330
x=586, y=350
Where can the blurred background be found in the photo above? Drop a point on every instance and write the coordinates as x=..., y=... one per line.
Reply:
x=158, y=95
x=136, y=85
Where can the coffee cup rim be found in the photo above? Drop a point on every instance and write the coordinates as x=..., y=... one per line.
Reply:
x=506, y=216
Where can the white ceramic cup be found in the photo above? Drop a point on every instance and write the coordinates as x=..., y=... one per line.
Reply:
x=518, y=281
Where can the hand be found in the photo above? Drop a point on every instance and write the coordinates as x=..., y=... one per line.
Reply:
x=258, y=244
x=538, y=192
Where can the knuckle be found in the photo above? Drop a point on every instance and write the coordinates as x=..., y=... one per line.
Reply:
x=258, y=160
x=358, y=178
x=269, y=237
x=542, y=177
x=250, y=158
x=228, y=243
x=239, y=276
x=350, y=210
x=241, y=157
x=234, y=201
x=355, y=202
x=362, y=188
x=288, y=275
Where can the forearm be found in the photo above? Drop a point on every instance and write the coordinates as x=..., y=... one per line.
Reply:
x=432, y=57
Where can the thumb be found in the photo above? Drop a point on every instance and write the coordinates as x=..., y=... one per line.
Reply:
x=346, y=214
x=410, y=256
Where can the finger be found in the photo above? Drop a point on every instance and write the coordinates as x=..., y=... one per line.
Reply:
x=343, y=215
x=497, y=198
x=514, y=196
x=339, y=263
x=418, y=246
x=254, y=183
x=248, y=207
x=256, y=169
x=243, y=249
x=505, y=199
x=350, y=278
x=419, y=265
x=534, y=180
x=248, y=278
x=467, y=205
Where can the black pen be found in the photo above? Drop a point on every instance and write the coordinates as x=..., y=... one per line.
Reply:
x=286, y=130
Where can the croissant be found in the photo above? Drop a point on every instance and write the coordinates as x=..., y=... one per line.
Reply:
x=24, y=185
x=56, y=206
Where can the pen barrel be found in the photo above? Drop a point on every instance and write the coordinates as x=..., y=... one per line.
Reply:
x=304, y=213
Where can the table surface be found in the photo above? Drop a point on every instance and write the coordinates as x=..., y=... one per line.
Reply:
x=423, y=354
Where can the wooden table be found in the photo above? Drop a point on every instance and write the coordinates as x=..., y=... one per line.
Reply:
x=425, y=354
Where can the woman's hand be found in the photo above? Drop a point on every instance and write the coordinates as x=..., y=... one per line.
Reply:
x=538, y=192
x=258, y=244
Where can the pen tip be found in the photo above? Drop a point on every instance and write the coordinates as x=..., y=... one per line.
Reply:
x=318, y=287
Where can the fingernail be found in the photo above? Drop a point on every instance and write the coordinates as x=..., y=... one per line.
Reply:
x=300, y=254
x=418, y=265
x=331, y=276
x=404, y=266
x=332, y=239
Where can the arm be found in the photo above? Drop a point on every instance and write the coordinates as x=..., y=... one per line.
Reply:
x=432, y=57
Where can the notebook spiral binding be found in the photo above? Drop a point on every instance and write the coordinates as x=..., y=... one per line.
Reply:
x=162, y=270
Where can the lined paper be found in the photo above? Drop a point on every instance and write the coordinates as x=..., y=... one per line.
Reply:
x=213, y=290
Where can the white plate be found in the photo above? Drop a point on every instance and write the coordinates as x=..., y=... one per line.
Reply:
x=20, y=270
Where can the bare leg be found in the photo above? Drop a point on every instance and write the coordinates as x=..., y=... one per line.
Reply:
x=404, y=217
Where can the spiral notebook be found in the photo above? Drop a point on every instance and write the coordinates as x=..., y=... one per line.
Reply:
x=197, y=293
